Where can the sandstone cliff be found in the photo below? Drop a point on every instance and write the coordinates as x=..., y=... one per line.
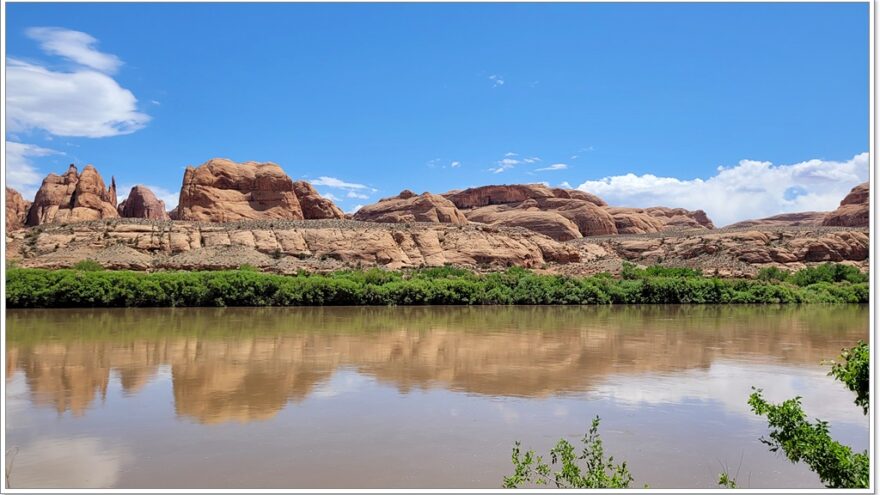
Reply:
x=804, y=218
x=409, y=207
x=313, y=205
x=73, y=197
x=16, y=210
x=142, y=203
x=853, y=210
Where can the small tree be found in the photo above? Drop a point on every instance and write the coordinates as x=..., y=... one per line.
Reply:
x=597, y=471
x=836, y=464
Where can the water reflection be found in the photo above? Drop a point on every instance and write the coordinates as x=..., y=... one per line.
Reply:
x=245, y=364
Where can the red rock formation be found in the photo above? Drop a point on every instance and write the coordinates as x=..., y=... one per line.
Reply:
x=142, y=203
x=506, y=194
x=408, y=207
x=314, y=206
x=16, y=210
x=804, y=218
x=73, y=197
x=221, y=190
x=658, y=219
x=853, y=210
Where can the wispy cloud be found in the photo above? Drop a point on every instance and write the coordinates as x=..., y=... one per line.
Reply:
x=329, y=195
x=335, y=183
x=750, y=189
x=565, y=184
x=76, y=46
x=356, y=195
x=84, y=102
x=354, y=209
x=21, y=171
x=504, y=164
x=555, y=166
x=455, y=164
x=497, y=81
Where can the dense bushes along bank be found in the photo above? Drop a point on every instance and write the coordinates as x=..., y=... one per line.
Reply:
x=88, y=286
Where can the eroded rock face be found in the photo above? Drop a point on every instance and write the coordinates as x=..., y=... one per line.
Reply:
x=658, y=219
x=142, y=203
x=16, y=210
x=853, y=210
x=221, y=190
x=561, y=214
x=73, y=197
x=409, y=207
x=285, y=246
x=516, y=193
x=804, y=218
x=315, y=207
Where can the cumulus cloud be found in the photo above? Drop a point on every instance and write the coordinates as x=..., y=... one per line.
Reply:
x=340, y=184
x=504, y=164
x=354, y=209
x=497, y=80
x=21, y=172
x=751, y=189
x=555, y=166
x=330, y=196
x=169, y=197
x=82, y=103
x=76, y=46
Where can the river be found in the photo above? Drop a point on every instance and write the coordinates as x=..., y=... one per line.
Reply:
x=412, y=397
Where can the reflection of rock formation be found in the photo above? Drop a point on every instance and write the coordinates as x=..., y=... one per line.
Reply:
x=223, y=373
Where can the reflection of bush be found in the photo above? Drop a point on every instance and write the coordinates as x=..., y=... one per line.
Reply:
x=34, y=288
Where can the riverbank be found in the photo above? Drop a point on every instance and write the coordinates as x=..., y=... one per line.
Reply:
x=91, y=287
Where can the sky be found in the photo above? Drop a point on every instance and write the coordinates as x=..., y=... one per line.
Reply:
x=743, y=110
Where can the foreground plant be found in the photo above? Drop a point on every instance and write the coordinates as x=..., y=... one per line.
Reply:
x=595, y=472
x=803, y=441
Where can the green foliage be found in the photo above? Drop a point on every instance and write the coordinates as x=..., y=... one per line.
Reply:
x=88, y=286
x=596, y=471
x=724, y=480
x=772, y=274
x=630, y=271
x=836, y=464
x=855, y=371
x=830, y=273
x=88, y=266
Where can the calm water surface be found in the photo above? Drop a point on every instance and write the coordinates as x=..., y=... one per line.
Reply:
x=411, y=397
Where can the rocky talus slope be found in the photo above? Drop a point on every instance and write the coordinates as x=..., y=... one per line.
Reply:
x=285, y=247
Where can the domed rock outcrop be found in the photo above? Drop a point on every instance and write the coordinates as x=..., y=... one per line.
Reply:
x=853, y=210
x=799, y=219
x=221, y=190
x=16, y=210
x=314, y=206
x=658, y=219
x=73, y=197
x=561, y=214
x=409, y=207
x=142, y=203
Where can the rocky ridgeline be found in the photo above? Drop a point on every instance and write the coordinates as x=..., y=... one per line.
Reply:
x=251, y=213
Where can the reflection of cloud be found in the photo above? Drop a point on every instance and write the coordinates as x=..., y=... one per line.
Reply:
x=68, y=463
x=342, y=382
x=729, y=383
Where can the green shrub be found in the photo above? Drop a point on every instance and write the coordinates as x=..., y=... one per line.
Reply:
x=88, y=266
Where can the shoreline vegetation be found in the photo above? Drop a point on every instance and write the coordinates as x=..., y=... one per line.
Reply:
x=88, y=285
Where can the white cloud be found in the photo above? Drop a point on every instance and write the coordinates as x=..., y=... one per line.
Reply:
x=340, y=184
x=496, y=80
x=76, y=46
x=565, y=185
x=751, y=189
x=21, y=173
x=82, y=103
x=354, y=209
x=455, y=164
x=330, y=196
x=355, y=195
x=169, y=197
x=531, y=159
x=555, y=166
x=61, y=462
x=504, y=164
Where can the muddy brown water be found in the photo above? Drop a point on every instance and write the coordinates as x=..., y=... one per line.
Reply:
x=416, y=397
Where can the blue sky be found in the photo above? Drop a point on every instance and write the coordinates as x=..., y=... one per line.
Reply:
x=641, y=103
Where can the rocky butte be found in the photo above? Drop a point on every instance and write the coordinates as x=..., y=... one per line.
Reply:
x=142, y=203
x=73, y=197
